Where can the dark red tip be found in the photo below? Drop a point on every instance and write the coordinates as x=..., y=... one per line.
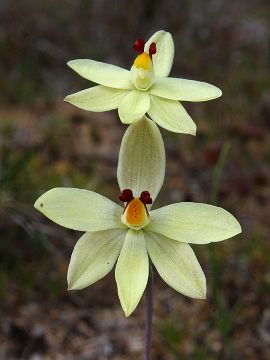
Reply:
x=138, y=46
x=152, y=49
x=146, y=198
x=126, y=195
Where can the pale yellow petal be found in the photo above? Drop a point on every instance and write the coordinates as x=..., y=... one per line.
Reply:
x=93, y=257
x=80, y=209
x=194, y=223
x=98, y=98
x=102, y=73
x=171, y=115
x=132, y=271
x=184, y=90
x=177, y=264
x=141, y=165
x=133, y=106
x=163, y=59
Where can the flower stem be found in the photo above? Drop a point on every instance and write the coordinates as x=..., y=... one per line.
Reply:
x=149, y=314
x=218, y=172
x=221, y=317
x=217, y=175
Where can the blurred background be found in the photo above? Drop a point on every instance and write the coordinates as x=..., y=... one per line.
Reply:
x=46, y=143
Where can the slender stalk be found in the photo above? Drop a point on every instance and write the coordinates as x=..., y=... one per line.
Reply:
x=214, y=268
x=214, y=201
x=218, y=173
x=149, y=314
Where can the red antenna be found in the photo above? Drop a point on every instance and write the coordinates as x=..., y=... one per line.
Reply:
x=126, y=195
x=138, y=45
x=152, y=49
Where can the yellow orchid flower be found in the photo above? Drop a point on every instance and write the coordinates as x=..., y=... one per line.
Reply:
x=127, y=236
x=146, y=88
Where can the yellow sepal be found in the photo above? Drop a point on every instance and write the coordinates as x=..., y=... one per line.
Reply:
x=143, y=61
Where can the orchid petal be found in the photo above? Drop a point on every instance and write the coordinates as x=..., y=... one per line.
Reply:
x=80, y=209
x=141, y=165
x=185, y=90
x=194, y=223
x=102, y=73
x=177, y=264
x=93, y=257
x=171, y=115
x=163, y=58
x=132, y=271
x=133, y=106
x=97, y=98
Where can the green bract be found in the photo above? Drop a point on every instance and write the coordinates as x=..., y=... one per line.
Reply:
x=165, y=239
x=143, y=89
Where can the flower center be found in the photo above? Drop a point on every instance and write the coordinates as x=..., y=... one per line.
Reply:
x=143, y=61
x=135, y=214
x=142, y=73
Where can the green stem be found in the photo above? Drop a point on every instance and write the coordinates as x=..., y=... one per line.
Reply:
x=218, y=173
x=217, y=299
x=149, y=314
x=214, y=201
